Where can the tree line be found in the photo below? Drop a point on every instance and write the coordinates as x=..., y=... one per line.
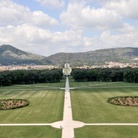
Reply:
x=8, y=78
x=106, y=74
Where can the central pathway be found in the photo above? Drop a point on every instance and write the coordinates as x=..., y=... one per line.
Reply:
x=67, y=124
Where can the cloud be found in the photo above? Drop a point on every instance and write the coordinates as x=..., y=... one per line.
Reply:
x=27, y=37
x=45, y=42
x=52, y=3
x=128, y=8
x=11, y=13
x=128, y=39
x=14, y=14
x=41, y=19
x=79, y=15
x=34, y=39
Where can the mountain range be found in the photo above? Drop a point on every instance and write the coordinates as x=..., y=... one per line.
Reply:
x=9, y=55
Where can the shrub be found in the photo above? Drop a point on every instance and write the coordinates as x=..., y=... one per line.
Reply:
x=6, y=104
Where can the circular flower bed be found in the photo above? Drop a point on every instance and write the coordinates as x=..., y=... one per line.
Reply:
x=124, y=100
x=6, y=104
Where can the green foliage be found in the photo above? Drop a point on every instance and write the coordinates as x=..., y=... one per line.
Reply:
x=106, y=75
x=131, y=75
x=8, y=78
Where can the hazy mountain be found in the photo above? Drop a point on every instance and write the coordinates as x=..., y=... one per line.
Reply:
x=98, y=57
x=10, y=55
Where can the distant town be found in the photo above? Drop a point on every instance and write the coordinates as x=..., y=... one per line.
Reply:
x=42, y=67
x=110, y=65
x=27, y=67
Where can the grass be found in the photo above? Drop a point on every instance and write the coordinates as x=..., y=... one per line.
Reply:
x=29, y=132
x=46, y=105
x=90, y=104
x=107, y=132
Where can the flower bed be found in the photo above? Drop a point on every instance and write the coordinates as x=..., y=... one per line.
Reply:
x=6, y=104
x=124, y=100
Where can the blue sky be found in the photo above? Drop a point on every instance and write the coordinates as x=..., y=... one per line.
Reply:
x=47, y=27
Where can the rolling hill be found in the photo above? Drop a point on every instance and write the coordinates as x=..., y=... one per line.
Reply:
x=10, y=55
x=98, y=57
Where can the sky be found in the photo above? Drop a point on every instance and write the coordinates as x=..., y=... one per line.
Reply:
x=46, y=27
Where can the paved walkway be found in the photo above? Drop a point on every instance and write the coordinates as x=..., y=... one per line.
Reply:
x=67, y=124
x=27, y=124
x=73, y=124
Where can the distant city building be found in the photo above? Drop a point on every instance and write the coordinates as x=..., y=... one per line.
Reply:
x=67, y=69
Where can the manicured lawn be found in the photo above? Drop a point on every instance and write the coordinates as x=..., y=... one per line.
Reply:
x=107, y=132
x=29, y=132
x=89, y=102
x=46, y=104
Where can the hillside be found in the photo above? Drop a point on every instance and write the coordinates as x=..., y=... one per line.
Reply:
x=10, y=55
x=98, y=57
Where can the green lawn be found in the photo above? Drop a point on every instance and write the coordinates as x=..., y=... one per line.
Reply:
x=107, y=132
x=46, y=104
x=29, y=132
x=89, y=103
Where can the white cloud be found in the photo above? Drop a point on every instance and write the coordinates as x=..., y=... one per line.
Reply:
x=11, y=13
x=128, y=39
x=41, y=19
x=27, y=37
x=78, y=15
x=127, y=8
x=69, y=38
x=36, y=40
x=127, y=28
x=14, y=14
x=52, y=3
